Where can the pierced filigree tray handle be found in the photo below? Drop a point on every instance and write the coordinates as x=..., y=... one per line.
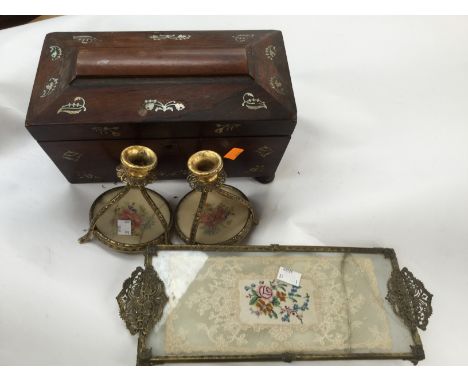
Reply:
x=142, y=301
x=409, y=299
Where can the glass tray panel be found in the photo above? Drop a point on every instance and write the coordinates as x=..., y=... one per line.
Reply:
x=230, y=304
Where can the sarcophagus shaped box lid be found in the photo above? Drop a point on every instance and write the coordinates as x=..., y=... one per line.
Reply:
x=162, y=84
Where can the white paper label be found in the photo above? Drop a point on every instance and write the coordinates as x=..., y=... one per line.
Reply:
x=289, y=276
x=124, y=227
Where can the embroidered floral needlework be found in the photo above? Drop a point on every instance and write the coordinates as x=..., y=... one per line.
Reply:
x=276, y=299
x=142, y=218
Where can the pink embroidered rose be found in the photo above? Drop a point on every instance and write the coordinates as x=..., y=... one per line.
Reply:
x=265, y=291
x=129, y=214
x=213, y=217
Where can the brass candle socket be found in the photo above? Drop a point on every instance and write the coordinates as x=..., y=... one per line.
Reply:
x=131, y=217
x=212, y=213
x=138, y=161
x=206, y=165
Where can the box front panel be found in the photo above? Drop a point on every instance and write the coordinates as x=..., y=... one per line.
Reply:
x=95, y=161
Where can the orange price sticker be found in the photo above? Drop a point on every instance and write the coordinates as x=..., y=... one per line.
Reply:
x=234, y=153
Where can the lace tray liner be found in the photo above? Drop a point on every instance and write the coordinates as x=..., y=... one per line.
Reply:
x=234, y=305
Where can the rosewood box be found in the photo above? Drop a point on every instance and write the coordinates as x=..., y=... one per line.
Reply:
x=96, y=93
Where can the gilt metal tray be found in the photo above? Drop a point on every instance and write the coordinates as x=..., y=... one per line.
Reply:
x=225, y=303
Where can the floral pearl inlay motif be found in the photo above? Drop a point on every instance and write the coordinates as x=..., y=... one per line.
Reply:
x=250, y=102
x=243, y=37
x=55, y=52
x=156, y=105
x=277, y=85
x=75, y=107
x=270, y=52
x=85, y=39
x=160, y=37
x=49, y=87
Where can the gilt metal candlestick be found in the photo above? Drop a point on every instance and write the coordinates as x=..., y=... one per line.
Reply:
x=131, y=217
x=213, y=212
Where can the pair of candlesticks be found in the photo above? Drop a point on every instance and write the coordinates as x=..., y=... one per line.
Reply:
x=131, y=217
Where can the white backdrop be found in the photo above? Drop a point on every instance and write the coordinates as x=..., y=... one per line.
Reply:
x=378, y=158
